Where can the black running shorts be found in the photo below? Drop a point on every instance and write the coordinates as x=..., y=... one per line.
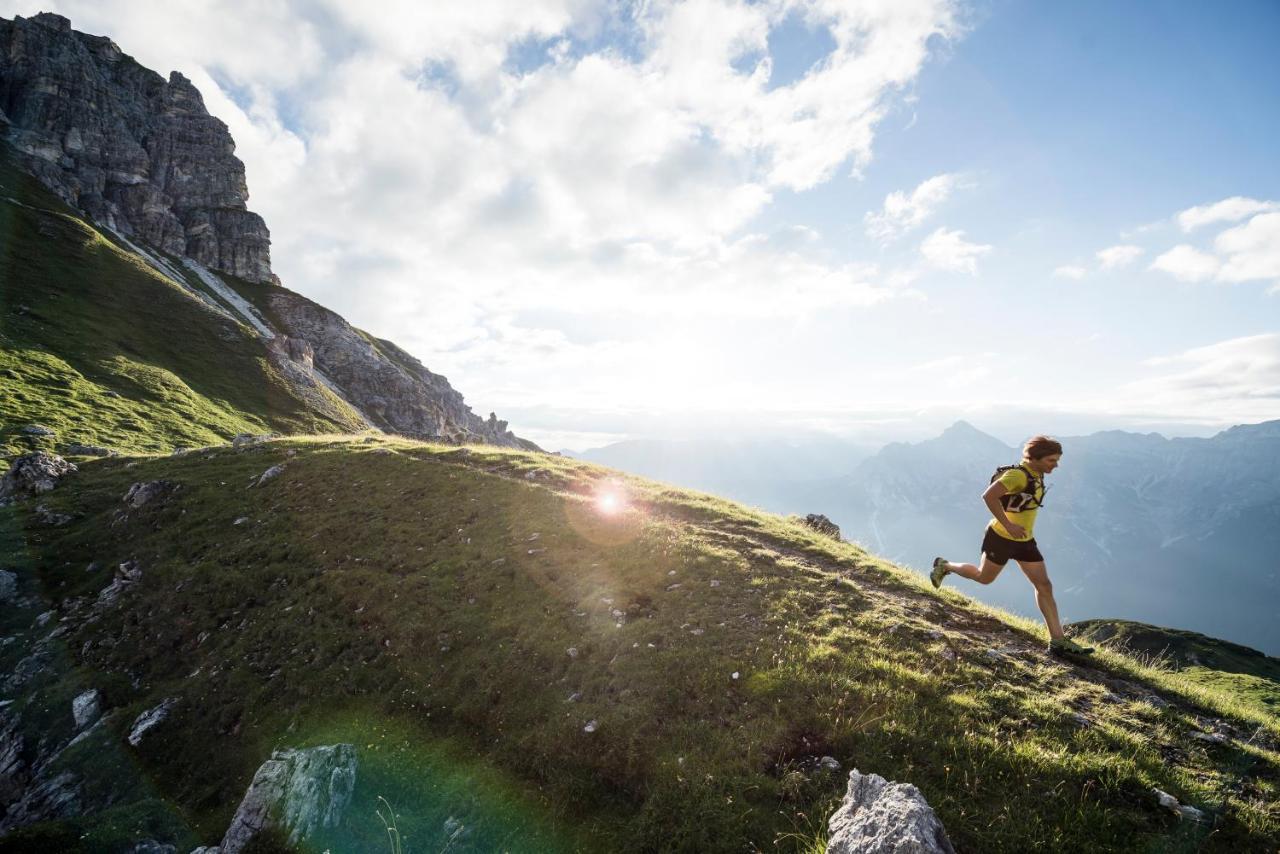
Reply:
x=1000, y=550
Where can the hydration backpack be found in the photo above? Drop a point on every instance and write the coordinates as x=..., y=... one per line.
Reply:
x=1016, y=502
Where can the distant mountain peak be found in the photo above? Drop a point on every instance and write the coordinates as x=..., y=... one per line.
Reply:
x=963, y=428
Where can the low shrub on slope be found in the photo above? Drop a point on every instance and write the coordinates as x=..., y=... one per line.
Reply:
x=556, y=657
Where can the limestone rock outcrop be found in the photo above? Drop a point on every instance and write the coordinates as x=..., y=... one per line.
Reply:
x=297, y=791
x=391, y=388
x=33, y=474
x=880, y=817
x=137, y=153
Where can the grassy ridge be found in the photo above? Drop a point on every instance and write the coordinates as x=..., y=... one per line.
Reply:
x=97, y=346
x=422, y=602
x=1228, y=668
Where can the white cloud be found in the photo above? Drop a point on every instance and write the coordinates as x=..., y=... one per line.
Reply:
x=1238, y=380
x=1251, y=251
x=1187, y=263
x=903, y=212
x=1070, y=271
x=1115, y=257
x=1244, y=253
x=948, y=250
x=1228, y=210
x=461, y=178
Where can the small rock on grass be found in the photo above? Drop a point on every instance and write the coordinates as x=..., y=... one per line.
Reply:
x=149, y=719
x=146, y=492
x=270, y=473
x=1170, y=803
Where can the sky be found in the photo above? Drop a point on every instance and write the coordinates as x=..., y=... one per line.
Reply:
x=607, y=219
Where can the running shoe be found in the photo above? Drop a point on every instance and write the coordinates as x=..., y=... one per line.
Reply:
x=1066, y=646
x=939, y=572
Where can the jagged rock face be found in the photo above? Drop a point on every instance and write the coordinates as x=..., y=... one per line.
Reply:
x=390, y=387
x=133, y=151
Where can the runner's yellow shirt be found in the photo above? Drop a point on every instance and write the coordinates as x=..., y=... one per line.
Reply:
x=1015, y=480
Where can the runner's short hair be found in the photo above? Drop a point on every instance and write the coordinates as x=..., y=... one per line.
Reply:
x=1038, y=447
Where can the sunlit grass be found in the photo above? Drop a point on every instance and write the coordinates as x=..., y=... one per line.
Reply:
x=435, y=592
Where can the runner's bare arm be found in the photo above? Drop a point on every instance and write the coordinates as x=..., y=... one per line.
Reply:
x=991, y=498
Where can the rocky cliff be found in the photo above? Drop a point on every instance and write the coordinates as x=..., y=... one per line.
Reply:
x=145, y=161
x=135, y=152
x=394, y=391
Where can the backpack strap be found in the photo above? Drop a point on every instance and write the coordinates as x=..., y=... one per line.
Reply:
x=1024, y=499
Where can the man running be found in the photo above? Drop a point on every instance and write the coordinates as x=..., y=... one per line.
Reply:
x=1013, y=498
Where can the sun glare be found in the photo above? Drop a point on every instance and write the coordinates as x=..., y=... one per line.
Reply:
x=610, y=499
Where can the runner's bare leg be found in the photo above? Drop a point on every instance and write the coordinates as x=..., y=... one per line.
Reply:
x=1038, y=575
x=983, y=575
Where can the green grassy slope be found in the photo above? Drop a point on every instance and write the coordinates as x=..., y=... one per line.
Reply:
x=1246, y=673
x=97, y=346
x=421, y=602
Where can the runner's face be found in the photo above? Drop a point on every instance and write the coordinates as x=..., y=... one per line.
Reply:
x=1047, y=464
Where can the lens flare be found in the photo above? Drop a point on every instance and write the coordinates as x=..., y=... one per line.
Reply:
x=610, y=499
x=605, y=515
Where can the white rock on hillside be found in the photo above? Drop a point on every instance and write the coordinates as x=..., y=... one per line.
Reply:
x=149, y=719
x=267, y=475
x=880, y=817
x=86, y=707
x=299, y=791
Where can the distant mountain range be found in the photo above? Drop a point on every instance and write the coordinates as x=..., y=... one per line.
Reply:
x=1180, y=532
x=768, y=473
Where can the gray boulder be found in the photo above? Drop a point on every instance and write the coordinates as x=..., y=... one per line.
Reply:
x=127, y=574
x=298, y=791
x=8, y=585
x=149, y=719
x=270, y=473
x=86, y=707
x=880, y=817
x=144, y=493
x=33, y=474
